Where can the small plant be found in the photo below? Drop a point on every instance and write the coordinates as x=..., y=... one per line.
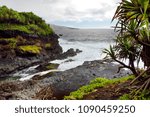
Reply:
x=125, y=97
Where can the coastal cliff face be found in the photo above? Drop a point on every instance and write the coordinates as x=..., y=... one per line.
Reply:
x=25, y=39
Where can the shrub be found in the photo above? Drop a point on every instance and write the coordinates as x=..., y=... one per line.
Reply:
x=23, y=21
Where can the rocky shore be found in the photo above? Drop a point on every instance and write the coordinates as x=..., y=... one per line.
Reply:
x=13, y=59
x=58, y=84
x=26, y=40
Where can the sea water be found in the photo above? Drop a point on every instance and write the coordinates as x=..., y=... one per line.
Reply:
x=91, y=50
x=90, y=41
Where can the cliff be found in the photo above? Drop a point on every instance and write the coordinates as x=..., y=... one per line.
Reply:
x=25, y=39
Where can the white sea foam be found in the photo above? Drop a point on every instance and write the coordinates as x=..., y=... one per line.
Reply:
x=27, y=76
x=91, y=50
x=91, y=42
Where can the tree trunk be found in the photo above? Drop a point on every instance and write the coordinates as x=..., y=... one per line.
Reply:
x=145, y=56
x=131, y=64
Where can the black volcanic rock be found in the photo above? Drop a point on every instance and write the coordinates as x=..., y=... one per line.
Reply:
x=55, y=85
x=25, y=40
x=69, y=53
x=12, y=59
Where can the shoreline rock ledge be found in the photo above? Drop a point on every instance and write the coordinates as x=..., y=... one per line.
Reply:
x=59, y=84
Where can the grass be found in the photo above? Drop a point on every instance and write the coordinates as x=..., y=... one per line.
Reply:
x=30, y=29
x=30, y=49
x=94, y=84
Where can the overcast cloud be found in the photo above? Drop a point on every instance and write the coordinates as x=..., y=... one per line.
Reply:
x=67, y=10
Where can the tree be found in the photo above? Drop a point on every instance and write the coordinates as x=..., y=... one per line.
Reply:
x=133, y=40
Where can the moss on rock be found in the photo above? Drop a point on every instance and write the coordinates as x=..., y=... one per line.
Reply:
x=47, y=66
x=52, y=66
x=48, y=45
x=94, y=84
x=25, y=39
x=33, y=49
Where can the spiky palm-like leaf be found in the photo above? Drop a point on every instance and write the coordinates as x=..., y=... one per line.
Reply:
x=110, y=53
x=133, y=41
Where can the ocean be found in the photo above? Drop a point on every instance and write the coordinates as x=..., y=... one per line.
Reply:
x=90, y=41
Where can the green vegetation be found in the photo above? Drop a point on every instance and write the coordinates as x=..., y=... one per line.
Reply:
x=48, y=45
x=23, y=34
x=94, y=84
x=133, y=96
x=33, y=49
x=22, y=21
x=52, y=66
x=133, y=40
x=10, y=41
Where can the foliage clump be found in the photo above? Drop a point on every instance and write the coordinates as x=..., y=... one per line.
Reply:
x=133, y=39
x=27, y=22
x=94, y=84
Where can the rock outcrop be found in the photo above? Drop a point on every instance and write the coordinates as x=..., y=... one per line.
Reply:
x=55, y=85
x=28, y=50
x=25, y=40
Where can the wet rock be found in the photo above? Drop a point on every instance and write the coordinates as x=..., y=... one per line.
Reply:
x=78, y=51
x=70, y=80
x=7, y=66
x=59, y=84
x=60, y=35
x=23, y=50
x=69, y=53
x=38, y=77
x=47, y=66
x=69, y=60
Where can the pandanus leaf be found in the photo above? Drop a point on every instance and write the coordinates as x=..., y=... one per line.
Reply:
x=144, y=4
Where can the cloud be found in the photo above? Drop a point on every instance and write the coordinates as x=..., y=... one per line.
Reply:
x=66, y=10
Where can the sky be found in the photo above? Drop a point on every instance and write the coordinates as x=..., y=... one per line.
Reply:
x=70, y=13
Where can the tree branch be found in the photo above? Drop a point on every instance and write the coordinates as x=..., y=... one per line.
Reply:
x=140, y=75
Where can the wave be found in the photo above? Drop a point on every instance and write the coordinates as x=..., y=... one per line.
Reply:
x=91, y=50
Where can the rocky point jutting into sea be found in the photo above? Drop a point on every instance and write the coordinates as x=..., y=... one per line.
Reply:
x=28, y=42
x=26, y=53
x=25, y=40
